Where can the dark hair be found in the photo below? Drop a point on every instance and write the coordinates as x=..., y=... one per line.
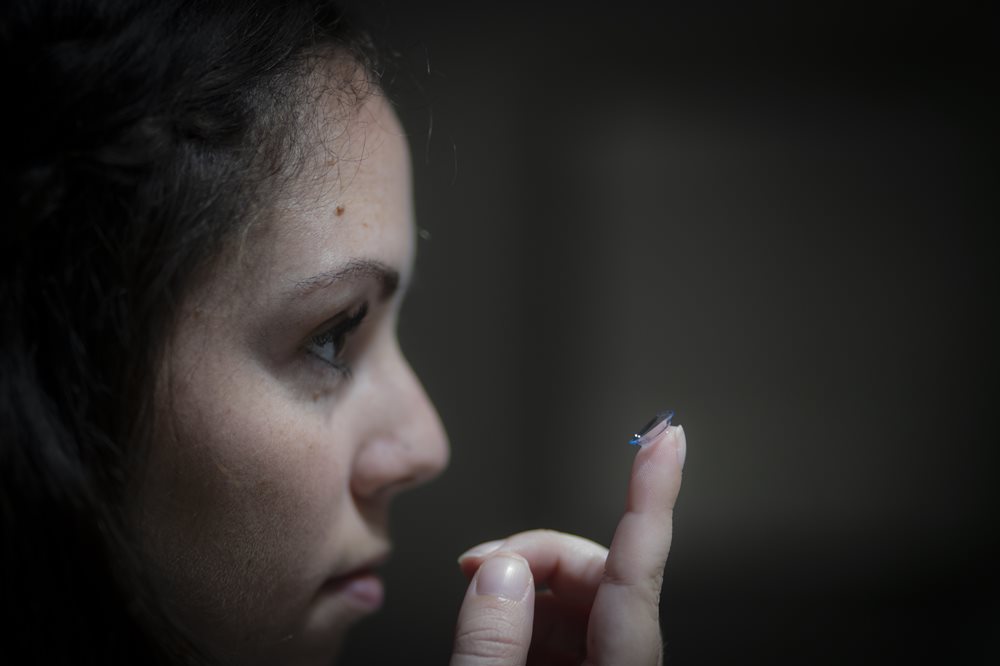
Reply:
x=140, y=135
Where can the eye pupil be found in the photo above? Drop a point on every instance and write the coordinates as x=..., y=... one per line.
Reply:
x=327, y=346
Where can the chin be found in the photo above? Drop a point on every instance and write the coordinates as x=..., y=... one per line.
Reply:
x=340, y=604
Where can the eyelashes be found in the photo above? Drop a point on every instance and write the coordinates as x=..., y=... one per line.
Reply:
x=329, y=345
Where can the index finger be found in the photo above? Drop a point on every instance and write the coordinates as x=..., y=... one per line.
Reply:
x=571, y=566
x=624, y=623
x=642, y=539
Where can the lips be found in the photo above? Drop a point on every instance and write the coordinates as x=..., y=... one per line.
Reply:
x=365, y=590
x=361, y=586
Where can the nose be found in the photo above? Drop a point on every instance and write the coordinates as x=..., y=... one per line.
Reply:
x=405, y=444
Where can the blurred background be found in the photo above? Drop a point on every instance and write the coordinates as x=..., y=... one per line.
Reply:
x=777, y=219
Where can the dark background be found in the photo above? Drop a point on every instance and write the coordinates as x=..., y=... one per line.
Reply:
x=776, y=219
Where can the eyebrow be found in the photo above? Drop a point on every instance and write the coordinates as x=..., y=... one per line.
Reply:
x=353, y=271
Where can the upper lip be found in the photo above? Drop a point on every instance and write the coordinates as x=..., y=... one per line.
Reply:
x=361, y=565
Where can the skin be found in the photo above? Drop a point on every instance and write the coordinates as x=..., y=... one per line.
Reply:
x=599, y=606
x=272, y=472
x=263, y=504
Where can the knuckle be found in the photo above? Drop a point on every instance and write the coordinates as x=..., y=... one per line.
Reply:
x=489, y=638
x=647, y=589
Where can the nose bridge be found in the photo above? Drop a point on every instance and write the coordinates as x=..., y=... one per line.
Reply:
x=405, y=443
x=416, y=408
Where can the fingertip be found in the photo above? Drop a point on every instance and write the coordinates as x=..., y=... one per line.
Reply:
x=656, y=472
x=669, y=439
x=481, y=551
x=469, y=566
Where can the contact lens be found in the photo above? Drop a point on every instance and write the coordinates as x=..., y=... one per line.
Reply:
x=653, y=429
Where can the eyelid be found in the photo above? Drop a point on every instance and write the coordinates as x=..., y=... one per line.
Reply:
x=349, y=317
x=337, y=331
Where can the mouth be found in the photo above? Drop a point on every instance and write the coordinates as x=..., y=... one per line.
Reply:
x=360, y=586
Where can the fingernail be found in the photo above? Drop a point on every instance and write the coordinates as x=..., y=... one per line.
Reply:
x=681, y=445
x=504, y=577
x=481, y=550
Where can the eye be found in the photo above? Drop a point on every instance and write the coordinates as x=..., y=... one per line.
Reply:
x=328, y=346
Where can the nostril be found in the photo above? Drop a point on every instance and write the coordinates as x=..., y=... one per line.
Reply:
x=388, y=491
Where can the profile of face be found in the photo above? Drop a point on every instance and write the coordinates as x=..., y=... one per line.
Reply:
x=286, y=415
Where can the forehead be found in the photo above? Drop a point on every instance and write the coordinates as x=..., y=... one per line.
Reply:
x=350, y=199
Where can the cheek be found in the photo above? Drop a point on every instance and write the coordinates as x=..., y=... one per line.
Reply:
x=242, y=503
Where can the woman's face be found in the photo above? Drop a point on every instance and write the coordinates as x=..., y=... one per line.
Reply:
x=287, y=417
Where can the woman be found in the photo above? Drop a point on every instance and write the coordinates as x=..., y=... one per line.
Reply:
x=206, y=413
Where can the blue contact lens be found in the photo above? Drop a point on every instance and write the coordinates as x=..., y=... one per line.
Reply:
x=653, y=429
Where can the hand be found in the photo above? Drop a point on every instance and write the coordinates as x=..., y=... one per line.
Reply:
x=594, y=606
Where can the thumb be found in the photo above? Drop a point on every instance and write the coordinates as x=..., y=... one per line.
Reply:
x=494, y=623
